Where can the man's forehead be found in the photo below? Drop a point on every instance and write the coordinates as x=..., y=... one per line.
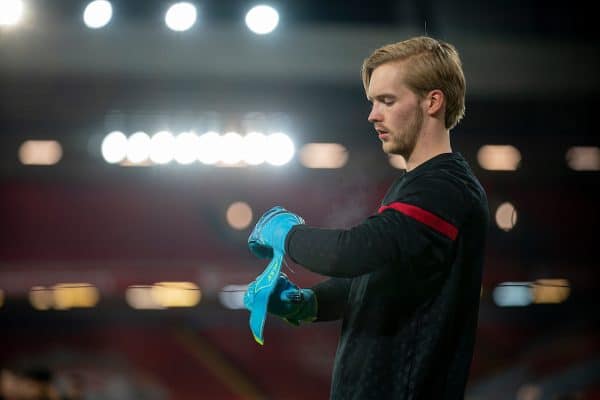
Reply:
x=386, y=77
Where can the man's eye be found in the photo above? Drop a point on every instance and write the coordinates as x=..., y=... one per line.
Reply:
x=388, y=102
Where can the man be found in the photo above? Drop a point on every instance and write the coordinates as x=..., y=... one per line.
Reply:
x=406, y=281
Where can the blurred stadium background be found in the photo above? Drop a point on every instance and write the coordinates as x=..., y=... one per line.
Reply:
x=135, y=158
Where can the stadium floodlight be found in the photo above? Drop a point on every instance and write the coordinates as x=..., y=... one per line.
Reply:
x=499, y=157
x=232, y=296
x=280, y=149
x=140, y=297
x=262, y=19
x=232, y=148
x=176, y=294
x=181, y=16
x=254, y=148
x=11, y=12
x=512, y=294
x=162, y=147
x=114, y=147
x=209, y=148
x=584, y=158
x=138, y=147
x=323, y=155
x=97, y=14
x=40, y=152
x=239, y=215
x=506, y=216
x=186, y=148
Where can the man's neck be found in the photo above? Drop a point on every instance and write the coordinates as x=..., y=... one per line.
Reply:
x=428, y=146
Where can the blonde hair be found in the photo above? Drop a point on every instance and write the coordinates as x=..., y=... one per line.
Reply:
x=432, y=64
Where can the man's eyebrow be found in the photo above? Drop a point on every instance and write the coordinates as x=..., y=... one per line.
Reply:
x=381, y=96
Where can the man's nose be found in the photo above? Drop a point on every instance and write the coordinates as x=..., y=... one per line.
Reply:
x=375, y=115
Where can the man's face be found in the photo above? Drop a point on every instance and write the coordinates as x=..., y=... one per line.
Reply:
x=396, y=113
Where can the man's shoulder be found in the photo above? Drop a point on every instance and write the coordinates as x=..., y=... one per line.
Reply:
x=452, y=172
x=448, y=178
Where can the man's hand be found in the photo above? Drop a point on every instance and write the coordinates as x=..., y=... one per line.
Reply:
x=287, y=301
x=269, y=233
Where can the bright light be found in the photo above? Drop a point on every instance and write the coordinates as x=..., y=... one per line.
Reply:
x=11, y=12
x=499, y=157
x=254, y=148
x=162, y=147
x=41, y=298
x=512, y=294
x=75, y=295
x=232, y=296
x=550, y=291
x=515, y=294
x=280, y=149
x=114, y=147
x=584, y=158
x=232, y=148
x=239, y=215
x=176, y=294
x=186, y=148
x=506, y=216
x=97, y=14
x=40, y=152
x=140, y=297
x=397, y=161
x=181, y=16
x=209, y=148
x=262, y=19
x=323, y=155
x=138, y=147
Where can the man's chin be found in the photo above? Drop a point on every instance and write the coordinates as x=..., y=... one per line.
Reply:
x=389, y=149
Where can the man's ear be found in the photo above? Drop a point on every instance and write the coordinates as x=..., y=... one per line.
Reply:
x=435, y=102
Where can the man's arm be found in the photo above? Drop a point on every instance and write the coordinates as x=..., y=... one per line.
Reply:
x=332, y=297
x=419, y=229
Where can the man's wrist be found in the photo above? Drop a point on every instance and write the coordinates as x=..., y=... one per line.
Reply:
x=307, y=312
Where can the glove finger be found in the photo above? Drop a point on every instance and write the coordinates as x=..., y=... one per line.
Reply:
x=283, y=283
x=292, y=295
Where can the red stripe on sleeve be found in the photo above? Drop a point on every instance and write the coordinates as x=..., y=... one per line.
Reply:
x=425, y=217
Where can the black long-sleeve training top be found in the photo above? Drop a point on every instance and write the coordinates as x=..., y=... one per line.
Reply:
x=407, y=284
